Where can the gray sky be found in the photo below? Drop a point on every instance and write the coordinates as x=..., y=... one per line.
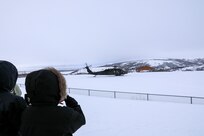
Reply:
x=99, y=31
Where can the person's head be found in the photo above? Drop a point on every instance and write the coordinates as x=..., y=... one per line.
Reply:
x=46, y=86
x=8, y=76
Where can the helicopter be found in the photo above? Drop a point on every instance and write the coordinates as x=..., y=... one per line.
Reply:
x=110, y=71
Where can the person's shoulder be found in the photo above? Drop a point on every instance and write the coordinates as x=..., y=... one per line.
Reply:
x=11, y=99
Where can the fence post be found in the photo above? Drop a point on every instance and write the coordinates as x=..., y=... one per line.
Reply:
x=114, y=94
x=89, y=92
x=147, y=97
x=191, y=100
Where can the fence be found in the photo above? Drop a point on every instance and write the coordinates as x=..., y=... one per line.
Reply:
x=137, y=96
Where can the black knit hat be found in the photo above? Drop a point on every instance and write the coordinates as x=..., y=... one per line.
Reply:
x=8, y=75
x=42, y=87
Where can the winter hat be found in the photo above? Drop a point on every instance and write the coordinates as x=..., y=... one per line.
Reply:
x=43, y=87
x=62, y=83
x=8, y=75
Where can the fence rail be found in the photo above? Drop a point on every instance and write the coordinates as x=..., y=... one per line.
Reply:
x=136, y=96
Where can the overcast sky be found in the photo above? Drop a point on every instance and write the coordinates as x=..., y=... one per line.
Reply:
x=99, y=31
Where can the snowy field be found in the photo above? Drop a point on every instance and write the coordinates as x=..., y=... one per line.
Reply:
x=120, y=117
x=177, y=83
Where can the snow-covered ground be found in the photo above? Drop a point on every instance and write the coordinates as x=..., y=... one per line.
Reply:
x=116, y=117
x=178, y=83
x=119, y=117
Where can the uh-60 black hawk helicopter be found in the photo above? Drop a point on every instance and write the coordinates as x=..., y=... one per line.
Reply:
x=110, y=71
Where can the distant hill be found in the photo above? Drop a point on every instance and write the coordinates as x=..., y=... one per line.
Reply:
x=162, y=64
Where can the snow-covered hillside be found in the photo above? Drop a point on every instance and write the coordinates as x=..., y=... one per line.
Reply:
x=163, y=64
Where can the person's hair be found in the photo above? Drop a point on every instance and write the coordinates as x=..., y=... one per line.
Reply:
x=62, y=83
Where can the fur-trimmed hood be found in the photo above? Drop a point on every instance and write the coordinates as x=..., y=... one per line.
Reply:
x=8, y=75
x=46, y=86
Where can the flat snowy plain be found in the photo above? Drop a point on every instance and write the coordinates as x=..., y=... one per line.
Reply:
x=122, y=117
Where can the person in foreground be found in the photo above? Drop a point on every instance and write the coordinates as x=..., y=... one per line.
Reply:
x=11, y=106
x=46, y=88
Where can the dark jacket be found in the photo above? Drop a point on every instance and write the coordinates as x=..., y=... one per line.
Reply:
x=43, y=117
x=11, y=106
